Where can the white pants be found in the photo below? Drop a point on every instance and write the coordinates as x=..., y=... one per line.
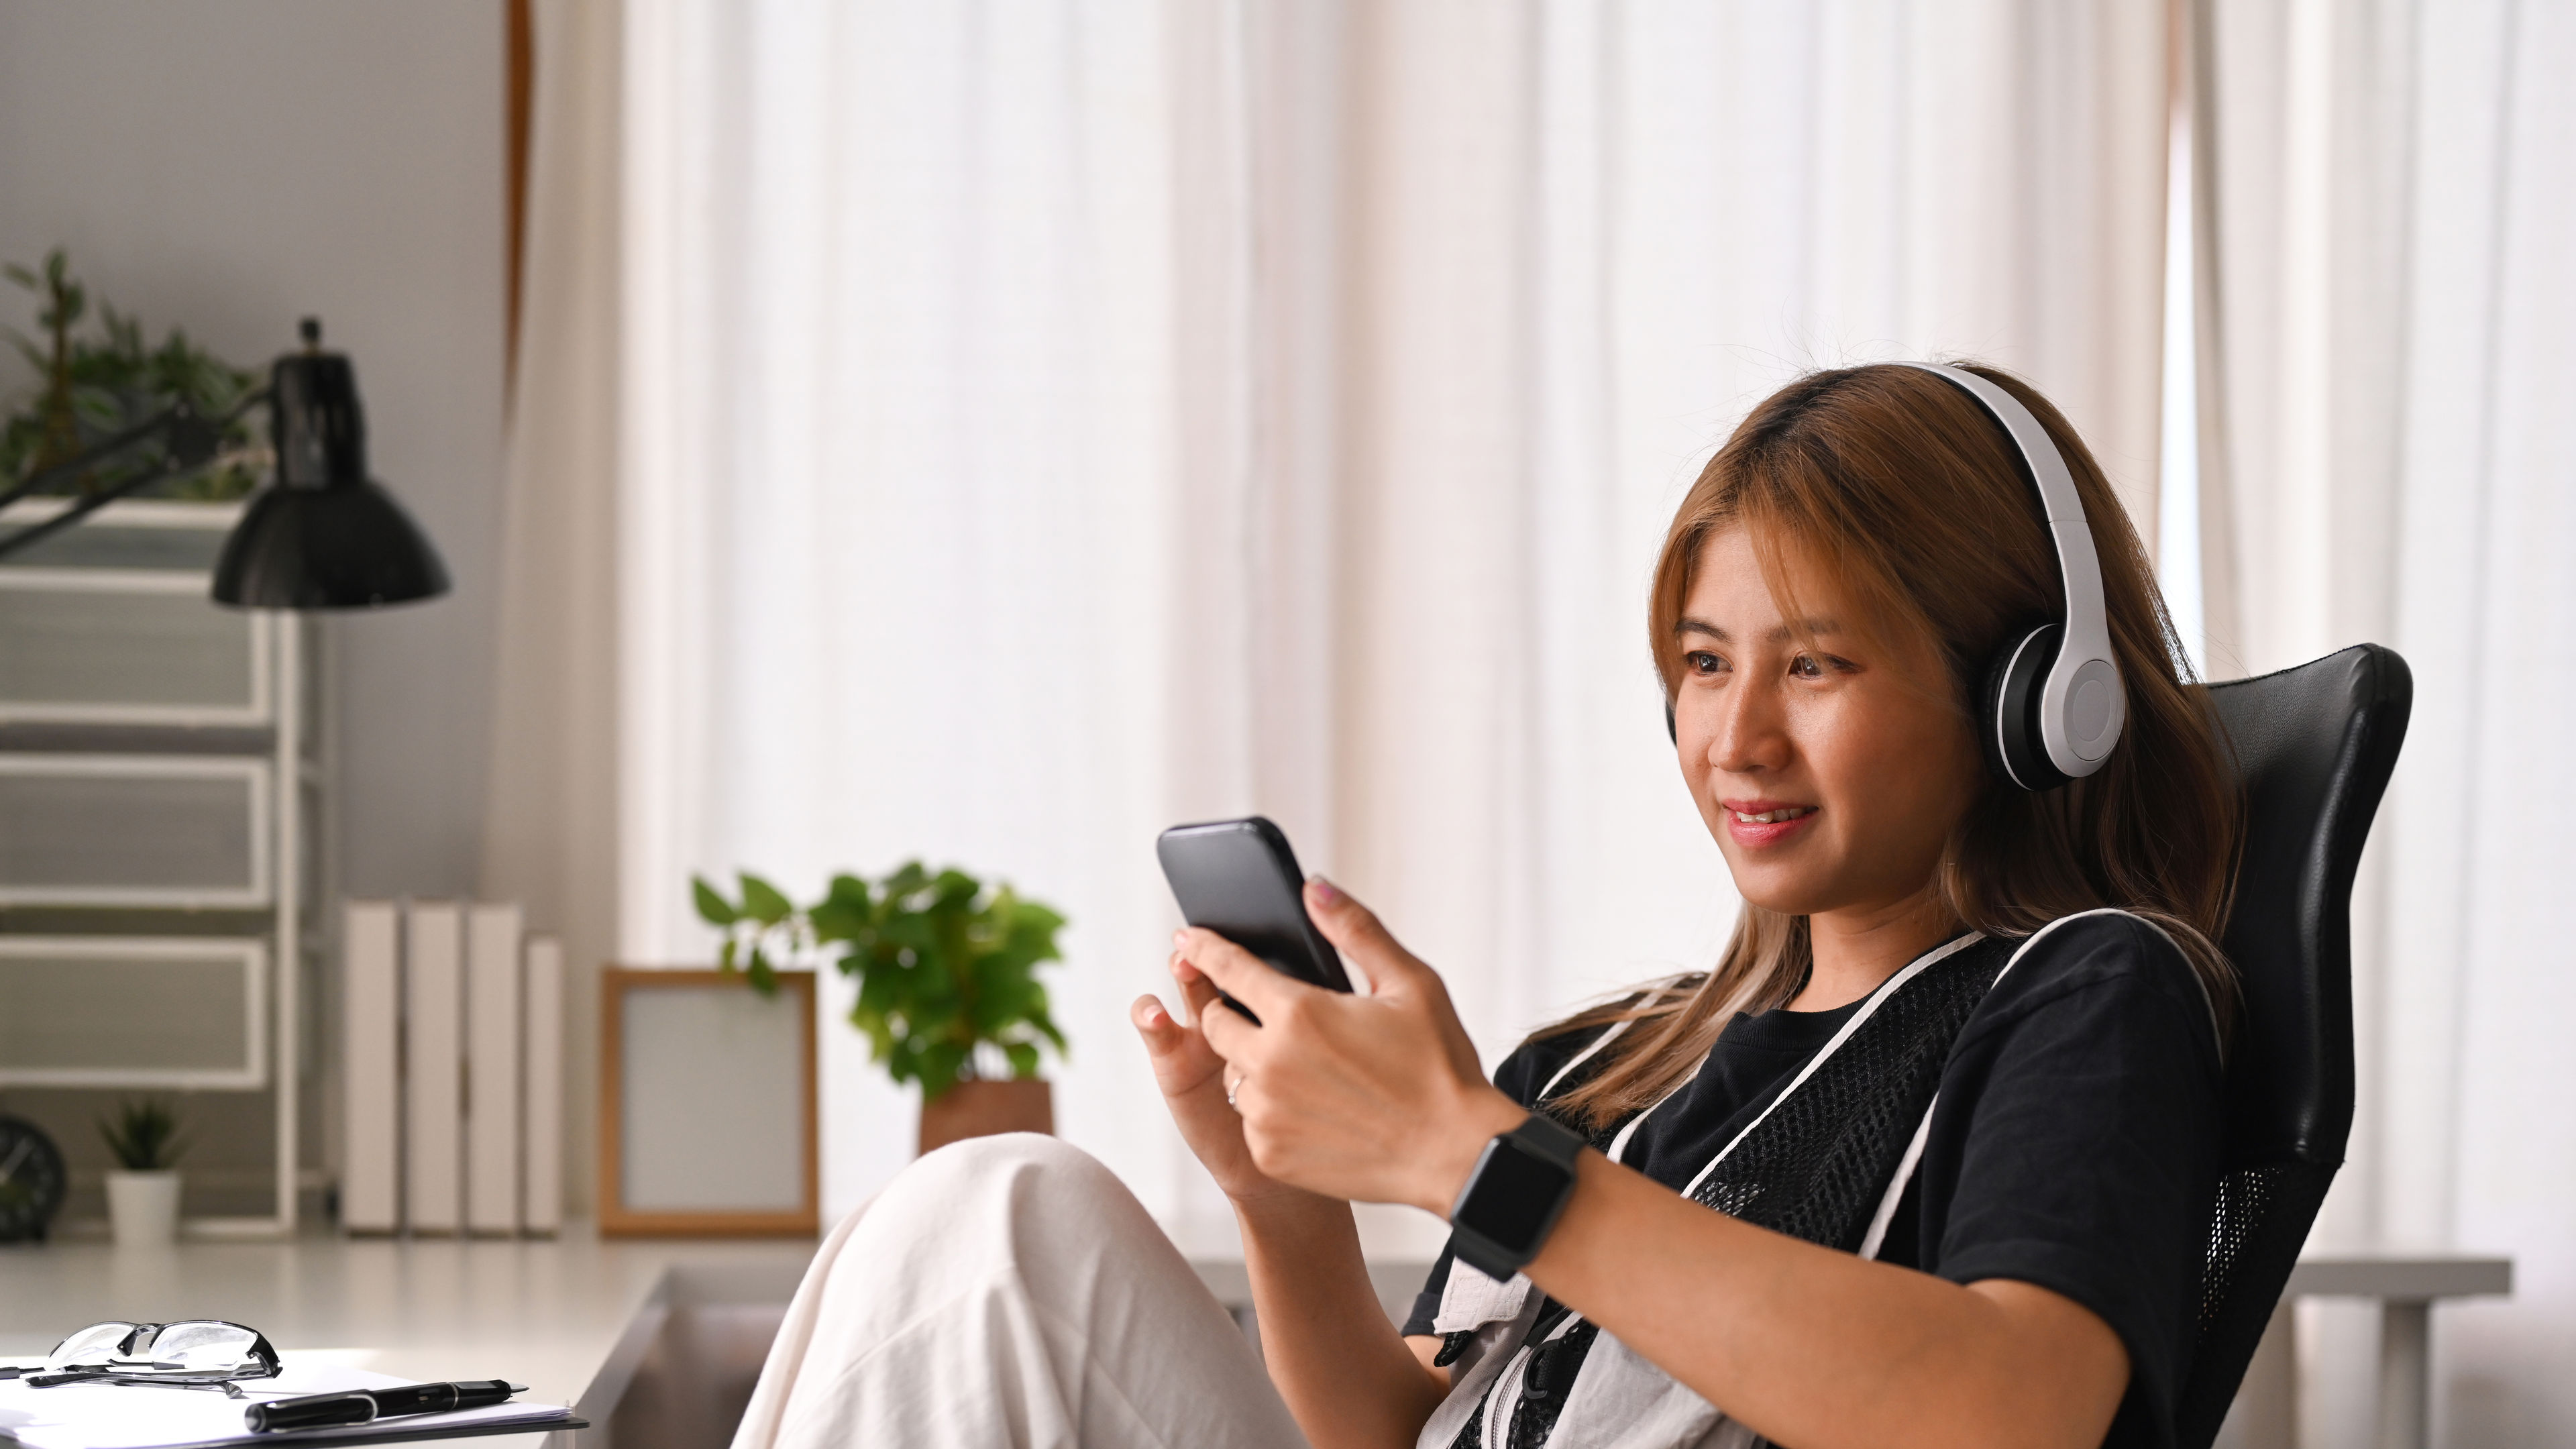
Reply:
x=1009, y=1291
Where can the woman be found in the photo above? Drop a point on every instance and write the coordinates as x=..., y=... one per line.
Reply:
x=1953, y=1086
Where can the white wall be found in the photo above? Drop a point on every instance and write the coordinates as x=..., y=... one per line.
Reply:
x=232, y=165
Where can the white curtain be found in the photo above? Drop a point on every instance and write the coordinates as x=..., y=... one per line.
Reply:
x=2394, y=214
x=1048, y=422
x=550, y=807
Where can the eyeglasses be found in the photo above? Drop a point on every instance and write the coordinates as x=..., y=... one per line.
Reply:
x=199, y=1353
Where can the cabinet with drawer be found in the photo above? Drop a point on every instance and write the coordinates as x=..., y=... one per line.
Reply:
x=160, y=785
x=183, y=831
x=127, y=646
x=73, y=1021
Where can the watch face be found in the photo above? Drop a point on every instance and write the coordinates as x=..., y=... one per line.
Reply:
x=31, y=1180
x=1513, y=1195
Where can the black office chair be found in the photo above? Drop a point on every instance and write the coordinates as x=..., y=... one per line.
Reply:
x=2314, y=746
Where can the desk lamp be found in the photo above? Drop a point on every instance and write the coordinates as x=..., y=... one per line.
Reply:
x=323, y=536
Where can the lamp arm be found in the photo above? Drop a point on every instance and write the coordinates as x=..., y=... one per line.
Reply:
x=192, y=442
x=107, y=448
x=89, y=504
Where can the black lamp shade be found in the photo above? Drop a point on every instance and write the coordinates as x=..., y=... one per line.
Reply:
x=349, y=546
x=326, y=536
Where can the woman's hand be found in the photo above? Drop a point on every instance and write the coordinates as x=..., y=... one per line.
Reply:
x=1308, y=1130
x=1377, y=1098
x=1194, y=1079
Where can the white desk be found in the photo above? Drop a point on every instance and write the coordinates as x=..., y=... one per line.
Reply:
x=549, y=1314
x=576, y=1318
x=2406, y=1285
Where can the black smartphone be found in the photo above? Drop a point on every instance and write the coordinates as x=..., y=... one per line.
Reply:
x=1239, y=879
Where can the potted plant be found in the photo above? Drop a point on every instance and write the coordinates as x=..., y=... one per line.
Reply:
x=93, y=385
x=947, y=974
x=143, y=1194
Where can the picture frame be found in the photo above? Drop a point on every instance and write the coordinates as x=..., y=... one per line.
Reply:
x=708, y=1118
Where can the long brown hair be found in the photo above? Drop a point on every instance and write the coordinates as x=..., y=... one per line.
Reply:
x=1907, y=491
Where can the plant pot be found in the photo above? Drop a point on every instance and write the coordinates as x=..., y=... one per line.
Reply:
x=981, y=1109
x=144, y=1207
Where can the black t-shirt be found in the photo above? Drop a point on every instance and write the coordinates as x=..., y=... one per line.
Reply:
x=2075, y=1144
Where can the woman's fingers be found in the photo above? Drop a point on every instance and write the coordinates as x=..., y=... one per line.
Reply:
x=1221, y=1029
x=1228, y=1034
x=1331, y=1092
x=1181, y=1059
x=1394, y=973
x=1238, y=973
x=1355, y=930
x=1198, y=993
x=1198, y=1086
x=1156, y=1025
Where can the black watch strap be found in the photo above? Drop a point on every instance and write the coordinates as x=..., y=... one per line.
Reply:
x=1514, y=1197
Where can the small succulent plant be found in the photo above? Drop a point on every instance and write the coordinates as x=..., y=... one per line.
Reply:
x=144, y=1135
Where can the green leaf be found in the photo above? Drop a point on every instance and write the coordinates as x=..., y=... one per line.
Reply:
x=881, y=990
x=907, y=879
x=764, y=902
x=764, y=977
x=1002, y=1000
x=913, y=931
x=940, y=1064
x=845, y=913
x=713, y=909
x=1024, y=1059
x=878, y=1031
x=933, y=1013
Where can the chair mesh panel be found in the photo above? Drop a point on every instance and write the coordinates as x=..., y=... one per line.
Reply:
x=2262, y=1219
x=2244, y=1199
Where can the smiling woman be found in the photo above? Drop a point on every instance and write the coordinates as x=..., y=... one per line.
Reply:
x=1886, y=497
x=1836, y=605
x=1927, y=1157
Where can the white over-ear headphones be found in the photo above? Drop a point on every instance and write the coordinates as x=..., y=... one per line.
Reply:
x=2053, y=703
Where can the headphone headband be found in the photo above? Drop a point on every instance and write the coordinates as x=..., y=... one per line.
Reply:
x=2082, y=704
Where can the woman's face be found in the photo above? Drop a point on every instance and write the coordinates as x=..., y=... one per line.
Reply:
x=1830, y=762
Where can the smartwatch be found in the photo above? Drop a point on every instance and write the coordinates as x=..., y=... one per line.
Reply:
x=1515, y=1195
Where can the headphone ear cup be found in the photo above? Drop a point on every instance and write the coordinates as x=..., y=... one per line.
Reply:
x=2009, y=723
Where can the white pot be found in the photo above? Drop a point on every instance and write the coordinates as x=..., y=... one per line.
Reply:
x=144, y=1206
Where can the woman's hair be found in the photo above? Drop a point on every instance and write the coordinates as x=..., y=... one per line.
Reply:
x=1909, y=494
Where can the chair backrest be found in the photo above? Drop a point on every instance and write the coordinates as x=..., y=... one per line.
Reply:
x=2314, y=747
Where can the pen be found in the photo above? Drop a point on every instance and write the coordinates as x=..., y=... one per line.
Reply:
x=362, y=1406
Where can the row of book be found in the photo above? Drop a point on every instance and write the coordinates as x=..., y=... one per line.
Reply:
x=452, y=1040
